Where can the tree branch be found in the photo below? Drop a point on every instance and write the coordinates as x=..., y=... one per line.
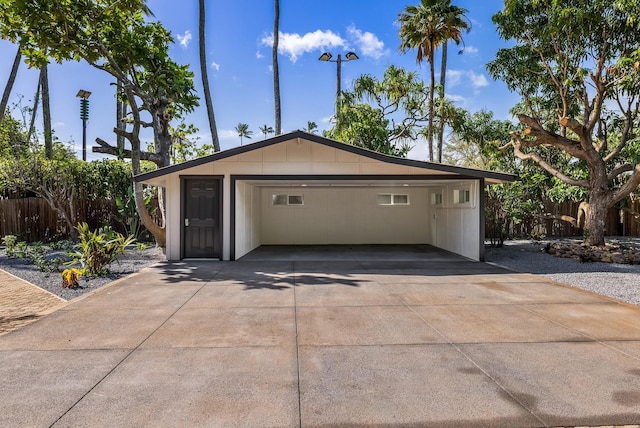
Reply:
x=534, y=157
x=619, y=170
x=629, y=186
x=574, y=126
x=544, y=137
x=105, y=148
x=548, y=216
x=623, y=139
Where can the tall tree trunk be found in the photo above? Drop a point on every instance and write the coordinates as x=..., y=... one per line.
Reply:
x=205, y=76
x=443, y=78
x=46, y=112
x=432, y=84
x=34, y=111
x=595, y=218
x=163, y=143
x=10, y=82
x=158, y=232
x=121, y=111
x=276, y=70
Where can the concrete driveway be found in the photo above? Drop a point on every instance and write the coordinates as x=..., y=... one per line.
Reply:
x=438, y=341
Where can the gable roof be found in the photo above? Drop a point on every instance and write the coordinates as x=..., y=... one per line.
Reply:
x=493, y=177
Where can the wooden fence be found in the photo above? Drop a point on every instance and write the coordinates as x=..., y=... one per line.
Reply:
x=32, y=219
x=619, y=222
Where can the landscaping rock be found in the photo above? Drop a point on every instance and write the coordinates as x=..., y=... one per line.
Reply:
x=610, y=253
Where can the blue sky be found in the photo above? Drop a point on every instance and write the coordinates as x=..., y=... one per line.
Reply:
x=239, y=56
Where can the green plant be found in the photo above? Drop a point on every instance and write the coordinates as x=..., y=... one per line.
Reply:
x=21, y=250
x=98, y=248
x=10, y=243
x=47, y=265
x=141, y=246
x=64, y=244
x=127, y=209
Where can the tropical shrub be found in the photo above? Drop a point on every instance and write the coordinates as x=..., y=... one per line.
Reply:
x=10, y=242
x=98, y=248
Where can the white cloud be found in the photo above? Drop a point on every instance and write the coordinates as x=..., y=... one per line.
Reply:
x=294, y=44
x=470, y=50
x=259, y=55
x=215, y=65
x=367, y=43
x=477, y=80
x=455, y=77
x=227, y=134
x=458, y=99
x=185, y=38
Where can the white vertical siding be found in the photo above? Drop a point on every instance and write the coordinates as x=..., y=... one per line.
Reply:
x=457, y=226
x=247, y=218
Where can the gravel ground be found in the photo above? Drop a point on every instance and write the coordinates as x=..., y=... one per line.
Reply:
x=621, y=282
x=127, y=263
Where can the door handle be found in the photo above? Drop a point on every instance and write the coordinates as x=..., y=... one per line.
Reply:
x=186, y=222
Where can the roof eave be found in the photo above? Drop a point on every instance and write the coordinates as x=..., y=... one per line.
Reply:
x=489, y=176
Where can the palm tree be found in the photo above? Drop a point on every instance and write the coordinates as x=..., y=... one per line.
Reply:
x=266, y=129
x=12, y=78
x=312, y=127
x=34, y=112
x=243, y=131
x=276, y=71
x=205, y=77
x=425, y=28
x=46, y=112
x=455, y=22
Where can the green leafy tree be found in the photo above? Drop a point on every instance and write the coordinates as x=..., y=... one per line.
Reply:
x=243, y=131
x=576, y=69
x=475, y=141
x=383, y=115
x=57, y=180
x=112, y=36
x=60, y=180
x=364, y=126
x=13, y=139
x=426, y=27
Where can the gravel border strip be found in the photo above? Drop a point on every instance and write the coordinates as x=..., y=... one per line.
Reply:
x=621, y=282
x=128, y=263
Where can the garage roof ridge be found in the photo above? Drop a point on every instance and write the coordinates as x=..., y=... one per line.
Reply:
x=476, y=173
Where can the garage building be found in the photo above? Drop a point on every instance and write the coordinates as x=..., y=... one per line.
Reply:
x=304, y=189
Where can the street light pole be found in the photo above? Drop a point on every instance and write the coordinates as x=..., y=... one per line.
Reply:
x=84, y=115
x=338, y=80
x=350, y=56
